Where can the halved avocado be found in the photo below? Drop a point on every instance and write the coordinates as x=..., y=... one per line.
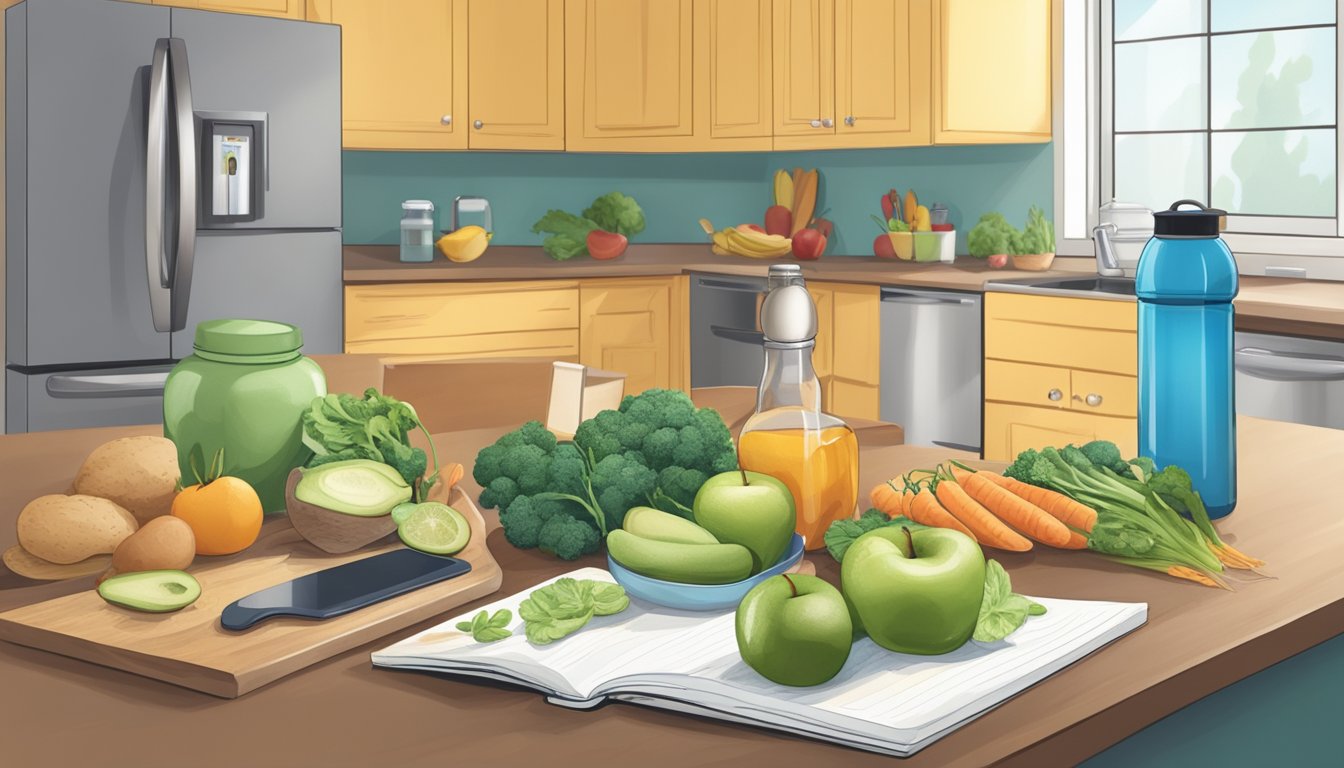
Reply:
x=360, y=487
x=152, y=591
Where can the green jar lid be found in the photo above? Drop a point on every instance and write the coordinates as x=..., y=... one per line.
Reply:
x=247, y=337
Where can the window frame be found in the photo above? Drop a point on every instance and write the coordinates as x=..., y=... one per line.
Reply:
x=1084, y=132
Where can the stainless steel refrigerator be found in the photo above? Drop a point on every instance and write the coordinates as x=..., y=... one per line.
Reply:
x=163, y=166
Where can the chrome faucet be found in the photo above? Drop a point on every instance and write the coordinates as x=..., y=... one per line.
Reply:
x=1107, y=264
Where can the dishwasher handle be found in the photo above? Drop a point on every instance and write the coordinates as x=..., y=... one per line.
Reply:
x=741, y=286
x=897, y=296
x=755, y=338
x=107, y=385
x=1286, y=366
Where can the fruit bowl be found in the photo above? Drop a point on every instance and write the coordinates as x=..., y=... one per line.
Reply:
x=700, y=597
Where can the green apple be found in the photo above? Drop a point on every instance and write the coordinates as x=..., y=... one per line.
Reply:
x=922, y=601
x=750, y=509
x=794, y=630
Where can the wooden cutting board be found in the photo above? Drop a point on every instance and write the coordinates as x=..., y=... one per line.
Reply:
x=189, y=648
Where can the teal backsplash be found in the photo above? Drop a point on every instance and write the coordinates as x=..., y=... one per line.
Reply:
x=676, y=190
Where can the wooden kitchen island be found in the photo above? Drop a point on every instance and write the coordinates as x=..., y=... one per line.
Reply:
x=59, y=711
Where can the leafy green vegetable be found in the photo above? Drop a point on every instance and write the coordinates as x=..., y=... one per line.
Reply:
x=1038, y=236
x=1001, y=610
x=616, y=212
x=376, y=427
x=566, y=605
x=485, y=628
x=568, y=236
x=991, y=234
x=842, y=533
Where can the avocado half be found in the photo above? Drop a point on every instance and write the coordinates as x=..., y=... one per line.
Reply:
x=359, y=519
x=151, y=591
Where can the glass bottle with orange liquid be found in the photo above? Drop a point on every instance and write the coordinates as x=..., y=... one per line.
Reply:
x=789, y=437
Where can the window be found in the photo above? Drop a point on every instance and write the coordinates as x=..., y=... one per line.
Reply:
x=1230, y=102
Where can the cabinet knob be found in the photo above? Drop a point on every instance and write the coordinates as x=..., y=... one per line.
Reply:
x=1055, y=395
x=1092, y=399
x=478, y=125
x=446, y=120
x=816, y=123
x=849, y=120
x=828, y=123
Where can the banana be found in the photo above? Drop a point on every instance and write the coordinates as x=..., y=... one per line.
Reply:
x=783, y=188
x=745, y=241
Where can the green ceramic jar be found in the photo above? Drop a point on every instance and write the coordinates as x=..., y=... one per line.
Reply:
x=244, y=389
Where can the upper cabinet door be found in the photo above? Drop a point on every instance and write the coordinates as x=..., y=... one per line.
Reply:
x=516, y=74
x=734, y=88
x=629, y=74
x=404, y=72
x=804, y=44
x=882, y=62
x=991, y=71
x=285, y=9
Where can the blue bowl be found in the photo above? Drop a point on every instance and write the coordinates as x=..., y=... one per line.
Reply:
x=700, y=597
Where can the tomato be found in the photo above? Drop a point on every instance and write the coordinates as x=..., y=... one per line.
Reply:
x=998, y=260
x=606, y=245
x=883, y=248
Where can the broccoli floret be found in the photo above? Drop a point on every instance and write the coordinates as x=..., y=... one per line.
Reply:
x=516, y=464
x=499, y=493
x=621, y=481
x=1032, y=468
x=568, y=538
x=1076, y=458
x=1105, y=453
x=679, y=486
x=409, y=462
x=523, y=519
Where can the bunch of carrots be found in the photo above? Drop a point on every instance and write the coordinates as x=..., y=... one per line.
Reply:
x=1005, y=513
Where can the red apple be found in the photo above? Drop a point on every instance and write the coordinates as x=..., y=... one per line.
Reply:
x=606, y=245
x=883, y=248
x=778, y=220
x=808, y=244
x=998, y=260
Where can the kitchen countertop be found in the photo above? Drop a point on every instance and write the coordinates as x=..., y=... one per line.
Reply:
x=1268, y=304
x=60, y=711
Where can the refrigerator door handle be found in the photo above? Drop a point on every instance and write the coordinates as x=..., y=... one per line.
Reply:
x=107, y=385
x=156, y=260
x=185, y=256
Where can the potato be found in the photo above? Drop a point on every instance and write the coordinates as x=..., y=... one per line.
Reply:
x=67, y=529
x=163, y=544
x=139, y=473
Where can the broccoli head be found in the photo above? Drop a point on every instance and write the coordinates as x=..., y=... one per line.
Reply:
x=568, y=538
x=409, y=462
x=663, y=430
x=620, y=482
x=1105, y=453
x=1031, y=468
x=522, y=456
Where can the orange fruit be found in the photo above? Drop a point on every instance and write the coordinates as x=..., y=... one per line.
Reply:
x=224, y=514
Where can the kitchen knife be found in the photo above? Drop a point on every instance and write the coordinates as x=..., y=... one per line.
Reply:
x=343, y=588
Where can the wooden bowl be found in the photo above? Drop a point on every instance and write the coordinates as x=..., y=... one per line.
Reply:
x=329, y=530
x=1033, y=262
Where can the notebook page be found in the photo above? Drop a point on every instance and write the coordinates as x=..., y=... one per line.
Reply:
x=643, y=639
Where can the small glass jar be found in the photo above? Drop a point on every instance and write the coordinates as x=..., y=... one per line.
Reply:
x=417, y=231
x=244, y=390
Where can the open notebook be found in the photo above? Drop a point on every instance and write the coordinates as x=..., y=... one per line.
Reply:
x=685, y=661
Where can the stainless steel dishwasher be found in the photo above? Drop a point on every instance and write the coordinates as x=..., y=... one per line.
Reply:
x=931, y=366
x=1287, y=378
x=725, y=331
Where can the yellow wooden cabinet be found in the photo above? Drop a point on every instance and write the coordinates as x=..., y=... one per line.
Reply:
x=991, y=71
x=285, y=9
x=1059, y=370
x=636, y=326
x=733, y=66
x=515, y=74
x=445, y=321
x=629, y=74
x=851, y=73
x=404, y=72
x=845, y=356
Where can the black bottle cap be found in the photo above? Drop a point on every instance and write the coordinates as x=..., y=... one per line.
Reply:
x=1177, y=223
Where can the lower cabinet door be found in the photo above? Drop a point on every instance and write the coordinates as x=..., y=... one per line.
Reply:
x=625, y=325
x=1011, y=429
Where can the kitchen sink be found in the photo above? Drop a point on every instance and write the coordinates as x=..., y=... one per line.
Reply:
x=1115, y=288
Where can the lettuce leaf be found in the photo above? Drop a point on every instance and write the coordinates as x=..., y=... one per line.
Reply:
x=568, y=234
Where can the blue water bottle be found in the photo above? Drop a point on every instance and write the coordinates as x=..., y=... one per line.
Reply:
x=1186, y=281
